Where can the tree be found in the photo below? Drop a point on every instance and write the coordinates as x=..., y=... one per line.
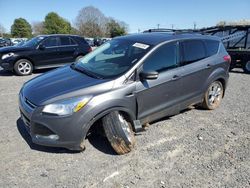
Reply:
x=114, y=28
x=38, y=28
x=54, y=24
x=91, y=22
x=21, y=28
x=2, y=30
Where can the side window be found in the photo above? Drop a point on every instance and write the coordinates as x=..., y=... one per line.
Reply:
x=50, y=42
x=72, y=42
x=193, y=50
x=212, y=47
x=65, y=41
x=164, y=58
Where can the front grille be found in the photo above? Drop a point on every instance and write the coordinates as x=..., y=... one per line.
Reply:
x=30, y=104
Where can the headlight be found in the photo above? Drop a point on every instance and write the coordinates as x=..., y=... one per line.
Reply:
x=66, y=107
x=7, y=55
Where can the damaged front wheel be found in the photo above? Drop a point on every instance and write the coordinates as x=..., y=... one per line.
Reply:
x=119, y=132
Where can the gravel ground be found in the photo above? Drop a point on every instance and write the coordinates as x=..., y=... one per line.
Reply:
x=196, y=148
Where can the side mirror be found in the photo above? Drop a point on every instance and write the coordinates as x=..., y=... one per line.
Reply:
x=41, y=47
x=152, y=75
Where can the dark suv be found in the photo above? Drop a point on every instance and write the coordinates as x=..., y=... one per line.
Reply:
x=124, y=84
x=45, y=51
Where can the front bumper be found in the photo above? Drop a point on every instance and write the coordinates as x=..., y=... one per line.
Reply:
x=8, y=63
x=57, y=131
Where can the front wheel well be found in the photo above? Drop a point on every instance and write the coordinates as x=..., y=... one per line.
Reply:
x=97, y=120
x=32, y=62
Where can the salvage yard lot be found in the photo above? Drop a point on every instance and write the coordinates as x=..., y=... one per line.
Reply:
x=195, y=148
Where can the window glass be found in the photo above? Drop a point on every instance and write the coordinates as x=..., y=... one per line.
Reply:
x=165, y=57
x=72, y=42
x=50, y=42
x=212, y=47
x=193, y=50
x=65, y=41
x=113, y=58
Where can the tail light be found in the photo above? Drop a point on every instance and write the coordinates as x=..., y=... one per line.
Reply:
x=90, y=49
x=227, y=58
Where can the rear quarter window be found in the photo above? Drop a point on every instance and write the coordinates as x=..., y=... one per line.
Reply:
x=81, y=41
x=212, y=47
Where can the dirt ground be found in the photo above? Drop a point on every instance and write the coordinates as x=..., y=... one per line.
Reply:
x=196, y=148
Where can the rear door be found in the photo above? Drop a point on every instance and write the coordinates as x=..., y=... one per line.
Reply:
x=196, y=69
x=67, y=49
x=158, y=98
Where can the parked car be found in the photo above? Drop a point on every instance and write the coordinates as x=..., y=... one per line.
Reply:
x=5, y=42
x=45, y=51
x=124, y=84
x=90, y=42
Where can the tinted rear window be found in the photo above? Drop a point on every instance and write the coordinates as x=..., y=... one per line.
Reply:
x=65, y=41
x=81, y=40
x=212, y=47
x=193, y=50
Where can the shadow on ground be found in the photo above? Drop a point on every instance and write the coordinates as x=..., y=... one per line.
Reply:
x=99, y=142
x=10, y=73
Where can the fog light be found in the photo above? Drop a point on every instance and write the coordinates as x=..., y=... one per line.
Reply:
x=49, y=137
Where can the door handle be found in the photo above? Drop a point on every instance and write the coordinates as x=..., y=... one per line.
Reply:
x=208, y=66
x=176, y=77
x=130, y=94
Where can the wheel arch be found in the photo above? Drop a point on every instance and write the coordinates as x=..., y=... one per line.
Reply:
x=25, y=57
x=128, y=115
x=217, y=75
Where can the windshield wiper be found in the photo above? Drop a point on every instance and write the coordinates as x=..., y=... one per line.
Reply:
x=84, y=71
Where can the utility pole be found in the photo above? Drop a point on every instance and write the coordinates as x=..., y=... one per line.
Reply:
x=194, y=25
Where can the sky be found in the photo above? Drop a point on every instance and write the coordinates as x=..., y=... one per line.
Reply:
x=138, y=14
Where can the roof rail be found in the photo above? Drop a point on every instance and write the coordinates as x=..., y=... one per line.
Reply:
x=174, y=31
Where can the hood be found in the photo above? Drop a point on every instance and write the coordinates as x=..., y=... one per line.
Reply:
x=62, y=83
x=9, y=49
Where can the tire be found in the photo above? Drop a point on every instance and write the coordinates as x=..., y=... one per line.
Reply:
x=79, y=57
x=213, y=96
x=246, y=67
x=119, y=132
x=23, y=67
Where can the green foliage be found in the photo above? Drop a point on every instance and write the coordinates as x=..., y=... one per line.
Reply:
x=21, y=28
x=54, y=24
x=115, y=29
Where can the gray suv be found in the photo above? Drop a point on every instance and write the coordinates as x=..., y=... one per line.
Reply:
x=124, y=84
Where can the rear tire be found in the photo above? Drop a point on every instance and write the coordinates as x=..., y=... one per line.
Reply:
x=213, y=96
x=23, y=67
x=246, y=67
x=119, y=132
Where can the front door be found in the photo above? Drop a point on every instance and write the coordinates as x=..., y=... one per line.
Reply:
x=158, y=98
x=48, y=56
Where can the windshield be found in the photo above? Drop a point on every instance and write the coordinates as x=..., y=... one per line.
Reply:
x=113, y=58
x=34, y=41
